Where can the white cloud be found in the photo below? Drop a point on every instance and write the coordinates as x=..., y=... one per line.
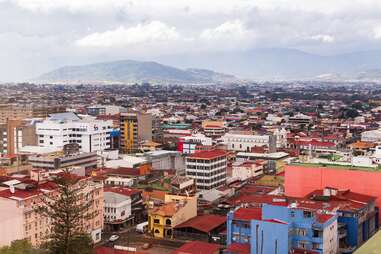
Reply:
x=152, y=32
x=231, y=35
x=325, y=38
x=377, y=32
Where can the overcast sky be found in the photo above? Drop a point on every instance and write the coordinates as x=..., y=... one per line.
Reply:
x=39, y=35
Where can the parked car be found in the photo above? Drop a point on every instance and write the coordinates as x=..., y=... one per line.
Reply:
x=113, y=238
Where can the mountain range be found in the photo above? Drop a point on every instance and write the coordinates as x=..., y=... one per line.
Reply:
x=129, y=71
x=257, y=64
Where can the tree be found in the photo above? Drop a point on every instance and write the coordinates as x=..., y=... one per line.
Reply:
x=68, y=210
x=20, y=247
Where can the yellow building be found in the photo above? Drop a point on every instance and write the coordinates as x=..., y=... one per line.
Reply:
x=175, y=210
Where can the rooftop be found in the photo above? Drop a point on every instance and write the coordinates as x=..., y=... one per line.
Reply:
x=198, y=247
x=204, y=223
x=212, y=154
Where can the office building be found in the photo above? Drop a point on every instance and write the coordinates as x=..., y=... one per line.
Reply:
x=208, y=168
x=135, y=127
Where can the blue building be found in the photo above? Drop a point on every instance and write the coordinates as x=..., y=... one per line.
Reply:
x=282, y=229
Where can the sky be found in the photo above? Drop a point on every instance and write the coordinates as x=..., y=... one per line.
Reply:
x=37, y=36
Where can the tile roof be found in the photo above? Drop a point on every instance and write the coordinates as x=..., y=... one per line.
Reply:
x=239, y=248
x=208, y=154
x=248, y=214
x=204, y=223
x=198, y=247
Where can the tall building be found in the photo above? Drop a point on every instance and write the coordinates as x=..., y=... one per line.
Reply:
x=19, y=220
x=15, y=134
x=135, y=127
x=208, y=168
x=65, y=128
x=17, y=112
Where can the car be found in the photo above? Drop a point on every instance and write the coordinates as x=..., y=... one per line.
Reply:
x=113, y=238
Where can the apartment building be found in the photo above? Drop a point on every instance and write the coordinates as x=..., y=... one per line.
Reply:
x=15, y=134
x=281, y=229
x=65, y=128
x=56, y=161
x=100, y=110
x=19, y=112
x=208, y=168
x=135, y=127
x=19, y=220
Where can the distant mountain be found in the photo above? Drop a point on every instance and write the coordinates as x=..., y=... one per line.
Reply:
x=279, y=63
x=130, y=71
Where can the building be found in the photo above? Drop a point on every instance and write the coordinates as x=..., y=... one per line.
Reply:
x=208, y=168
x=165, y=160
x=65, y=128
x=373, y=136
x=245, y=142
x=19, y=220
x=247, y=169
x=101, y=110
x=135, y=127
x=188, y=144
x=281, y=229
x=15, y=134
x=61, y=161
x=213, y=129
x=300, y=119
x=19, y=112
x=176, y=209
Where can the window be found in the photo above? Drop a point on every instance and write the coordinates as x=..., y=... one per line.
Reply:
x=307, y=214
x=156, y=221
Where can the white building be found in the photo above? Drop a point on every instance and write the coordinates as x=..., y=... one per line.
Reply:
x=244, y=142
x=117, y=206
x=189, y=143
x=247, y=169
x=165, y=160
x=208, y=168
x=64, y=128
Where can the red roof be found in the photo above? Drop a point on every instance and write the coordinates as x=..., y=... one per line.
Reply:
x=107, y=250
x=248, y=214
x=122, y=191
x=198, y=247
x=239, y=248
x=313, y=143
x=24, y=194
x=212, y=154
x=204, y=223
x=322, y=218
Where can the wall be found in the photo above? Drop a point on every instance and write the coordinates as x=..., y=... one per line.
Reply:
x=301, y=180
x=11, y=221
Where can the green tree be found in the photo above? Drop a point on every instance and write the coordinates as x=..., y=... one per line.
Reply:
x=68, y=211
x=20, y=247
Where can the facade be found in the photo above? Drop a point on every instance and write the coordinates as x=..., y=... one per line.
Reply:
x=244, y=142
x=18, y=219
x=165, y=160
x=208, y=168
x=66, y=128
x=117, y=207
x=188, y=144
x=373, y=136
x=213, y=129
x=61, y=161
x=101, y=110
x=281, y=229
x=176, y=209
x=247, y=169
x=135, y=127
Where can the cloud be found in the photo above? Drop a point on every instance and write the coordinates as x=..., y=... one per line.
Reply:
x=152, y=32
x=325, y=38
x=377, y=32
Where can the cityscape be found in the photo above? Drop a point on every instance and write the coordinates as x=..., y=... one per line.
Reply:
x=155, y=133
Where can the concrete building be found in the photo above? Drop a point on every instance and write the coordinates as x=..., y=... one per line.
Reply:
x=247, y=169
x=245, y=142
x=165, y=160
x=15, y=134
x=66, y=128
x=188, y=144
x=19, y=220
x=214, y=129
x=135, y=127
x=61, y=161
x=373, y=136
x=101, y=110
x=19, y=112
x=208, y=168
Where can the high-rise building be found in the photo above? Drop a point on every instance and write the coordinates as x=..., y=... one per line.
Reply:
x=65, y=128
x=15, y=134
x=208, y=168
x=135, y=127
